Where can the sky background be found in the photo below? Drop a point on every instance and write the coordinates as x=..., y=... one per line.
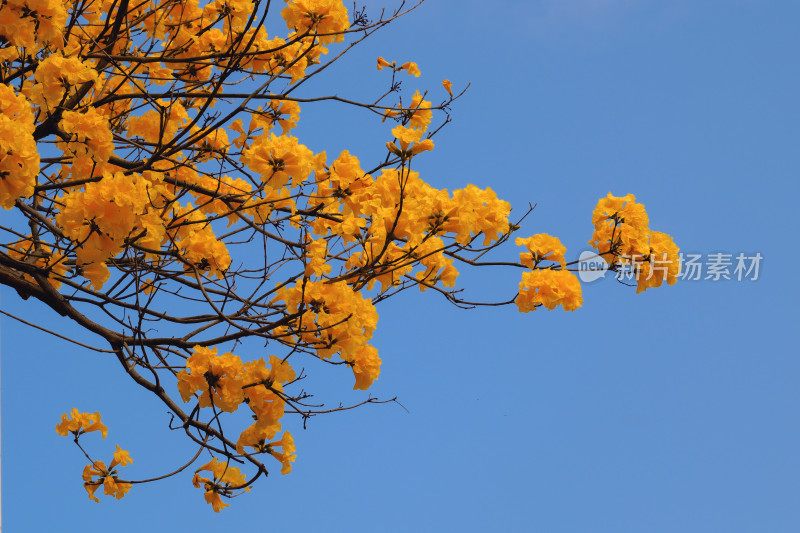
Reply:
x=672, y=410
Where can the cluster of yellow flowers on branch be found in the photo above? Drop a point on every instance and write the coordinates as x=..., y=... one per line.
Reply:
x=162, y=202
x=96, y=474
x=622, y=235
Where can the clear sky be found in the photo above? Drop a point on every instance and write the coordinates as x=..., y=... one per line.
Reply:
x=672, y=410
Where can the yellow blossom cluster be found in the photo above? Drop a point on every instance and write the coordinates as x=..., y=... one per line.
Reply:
x=263, y=393
x=275, y=56
x=219, y=188
x=341, y=185
x=549, y=288
x=79, y=423
x=89, y=134
x=97, y=474
x=332, y=318
x=622, y=235
x=196, y=243
x=225, y=383
x=366, y=365
x=620, y=227
x=286, y=456
x=150, y=154
x=290, y=57
x=465, y=214
x=418, y=114
x=326, y=18
x=409, y=66
x=218, y=378
x=161, y=124
x=213, y=145
x=316, y=256
x=56, y=77
x=122, y=209
x=101, y=217
x=399, y=206
x=279, y=159
x=19, y=158
x=663, y=263
x=285, y=113
x=224, y=478
x=32, y=24
x=541, y=247
x=403, y=208
x=411, y=142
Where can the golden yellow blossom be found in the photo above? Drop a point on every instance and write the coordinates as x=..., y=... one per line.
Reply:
x=287, y=454
x=19, y=158
x=549, y=288
x=224, y=478
x=217, y=377
x=541, y=247
x=448, y=87
x=662, y=264
x=78, y=423
x=327, y=18
x=412, y=69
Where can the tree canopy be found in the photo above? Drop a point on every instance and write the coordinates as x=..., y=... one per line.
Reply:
x=157, y=198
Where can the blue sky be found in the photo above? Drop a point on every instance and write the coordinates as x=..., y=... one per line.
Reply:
x=672, y=410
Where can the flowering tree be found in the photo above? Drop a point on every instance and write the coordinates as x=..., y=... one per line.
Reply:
x=156, y=197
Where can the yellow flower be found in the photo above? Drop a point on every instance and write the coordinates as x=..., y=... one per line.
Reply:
x=412, y=69
x=421, y=114
x=91, y=488
x=620, y=227
x=448, y=87
x=113, y=487
x=316, y=254
x=344, y=319
x=383, y=63
x=542, y=247
x=287, y=455
x=549, y=288
x=407, y=137
x=98, y=468
x=106, y=477
x=225, y=478
x=279, y=158
x=89, y=134
x=219, y=379
x=97, y=273
x=663, y=264
x=80, y=423
x=153, y=125
x=223, y=472
x=281, y=371
x=121, y=457
x=216, y=502
x=366, y=366
x=328, y=18
x=19, y=163
x=54, y=77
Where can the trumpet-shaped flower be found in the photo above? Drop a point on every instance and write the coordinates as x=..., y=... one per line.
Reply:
x=79, y=423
